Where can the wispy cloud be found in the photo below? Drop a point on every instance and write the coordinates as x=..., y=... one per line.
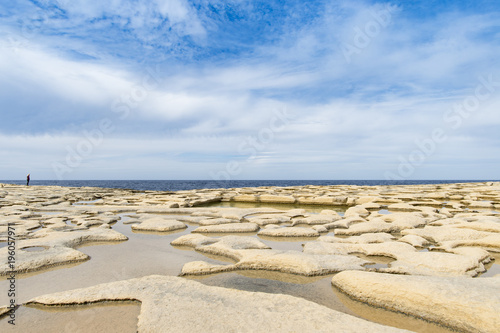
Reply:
x=223, y=67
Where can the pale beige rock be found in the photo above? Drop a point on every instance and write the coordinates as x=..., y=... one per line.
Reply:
x=37, y=260
x=380, y=237
x=228, y=228
x=251, y=254
x=447, y=222
x=329, y=212
x=437, y=264
x=295, y=212
x=402, y=207
x=277, y=199
x=345, y=222
x=445, y=233
x=478, y=204
x=372, y=206
x=3, y=310
x=414, y=240
x=172, y=304
x=264, y=219
x=373, y=226
x=405, y=221
x=387, y=249
x=488, y=226
x=289, y=232
x=159, y=224
x=408, y=260
x=58, y=248
x=385, y=223
x=491, y=242
x=320, y=228
x=446, y=211
x=205, y=268
x=365, y=199
x=464, y=304
x=216, y=221
x=317, y=219
x=194, y=240
x=294, y=262
x=356, y=211
x=464, y=234
x=437, y=195
x=245, y=198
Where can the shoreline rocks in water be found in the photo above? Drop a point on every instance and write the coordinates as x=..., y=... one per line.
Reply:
x=425, y=233
x=173, y=304
x=463, y=304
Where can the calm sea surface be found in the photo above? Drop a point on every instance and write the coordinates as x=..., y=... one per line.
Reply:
x=178, y=185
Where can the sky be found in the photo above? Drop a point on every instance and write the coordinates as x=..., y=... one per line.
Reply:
x=236, y=89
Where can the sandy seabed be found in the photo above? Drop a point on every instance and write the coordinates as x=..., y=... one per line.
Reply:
x=277, y=259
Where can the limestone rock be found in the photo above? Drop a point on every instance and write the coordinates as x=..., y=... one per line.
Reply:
x=251, y=254
x=357, y=211
x=172, y=304
x=194, y=240
x=414, y=240
x=58, y=248
x=228, y=228
x=463, y=304
x=289, y=232
x=380, y=237
x=317, y=219
x=159, y=224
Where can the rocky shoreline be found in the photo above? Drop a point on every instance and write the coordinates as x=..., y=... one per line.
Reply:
x=434, y=240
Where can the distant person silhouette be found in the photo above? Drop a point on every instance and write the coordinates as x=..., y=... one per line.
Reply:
x=28, y=180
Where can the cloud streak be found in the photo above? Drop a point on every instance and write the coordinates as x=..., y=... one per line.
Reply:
x=220, y=70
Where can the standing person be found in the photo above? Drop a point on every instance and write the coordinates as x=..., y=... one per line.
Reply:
x=28, y=180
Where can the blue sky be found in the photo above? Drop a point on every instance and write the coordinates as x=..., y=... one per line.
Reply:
x=236, y=89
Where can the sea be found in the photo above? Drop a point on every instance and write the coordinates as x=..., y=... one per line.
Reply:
x=180, y=185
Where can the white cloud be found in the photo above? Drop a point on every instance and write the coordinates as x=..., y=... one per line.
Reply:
x=351, y=118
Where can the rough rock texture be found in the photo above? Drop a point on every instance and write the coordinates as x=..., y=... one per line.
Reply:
x=318, y=219
x=408, y=260
x=414, y=240
x=289, y=232
x=434, y=230
x=380, y=237
x=58, y=248
x=228, y=228
x=464, y=304
x=251, y=254
x=172, y=304
x=3, y=310
x=159, y=224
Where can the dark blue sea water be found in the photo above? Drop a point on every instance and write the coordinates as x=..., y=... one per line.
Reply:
x=178, y=185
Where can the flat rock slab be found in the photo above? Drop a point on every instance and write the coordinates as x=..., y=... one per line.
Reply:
x=251, y=254
x=289, y=232
x=228, y=228
x=58, y=248
x=173, y=304
x=380, y=237
x=465, y=262
x=159, y=224
x=318, y=219
x=464, y=304
x=37, y=260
